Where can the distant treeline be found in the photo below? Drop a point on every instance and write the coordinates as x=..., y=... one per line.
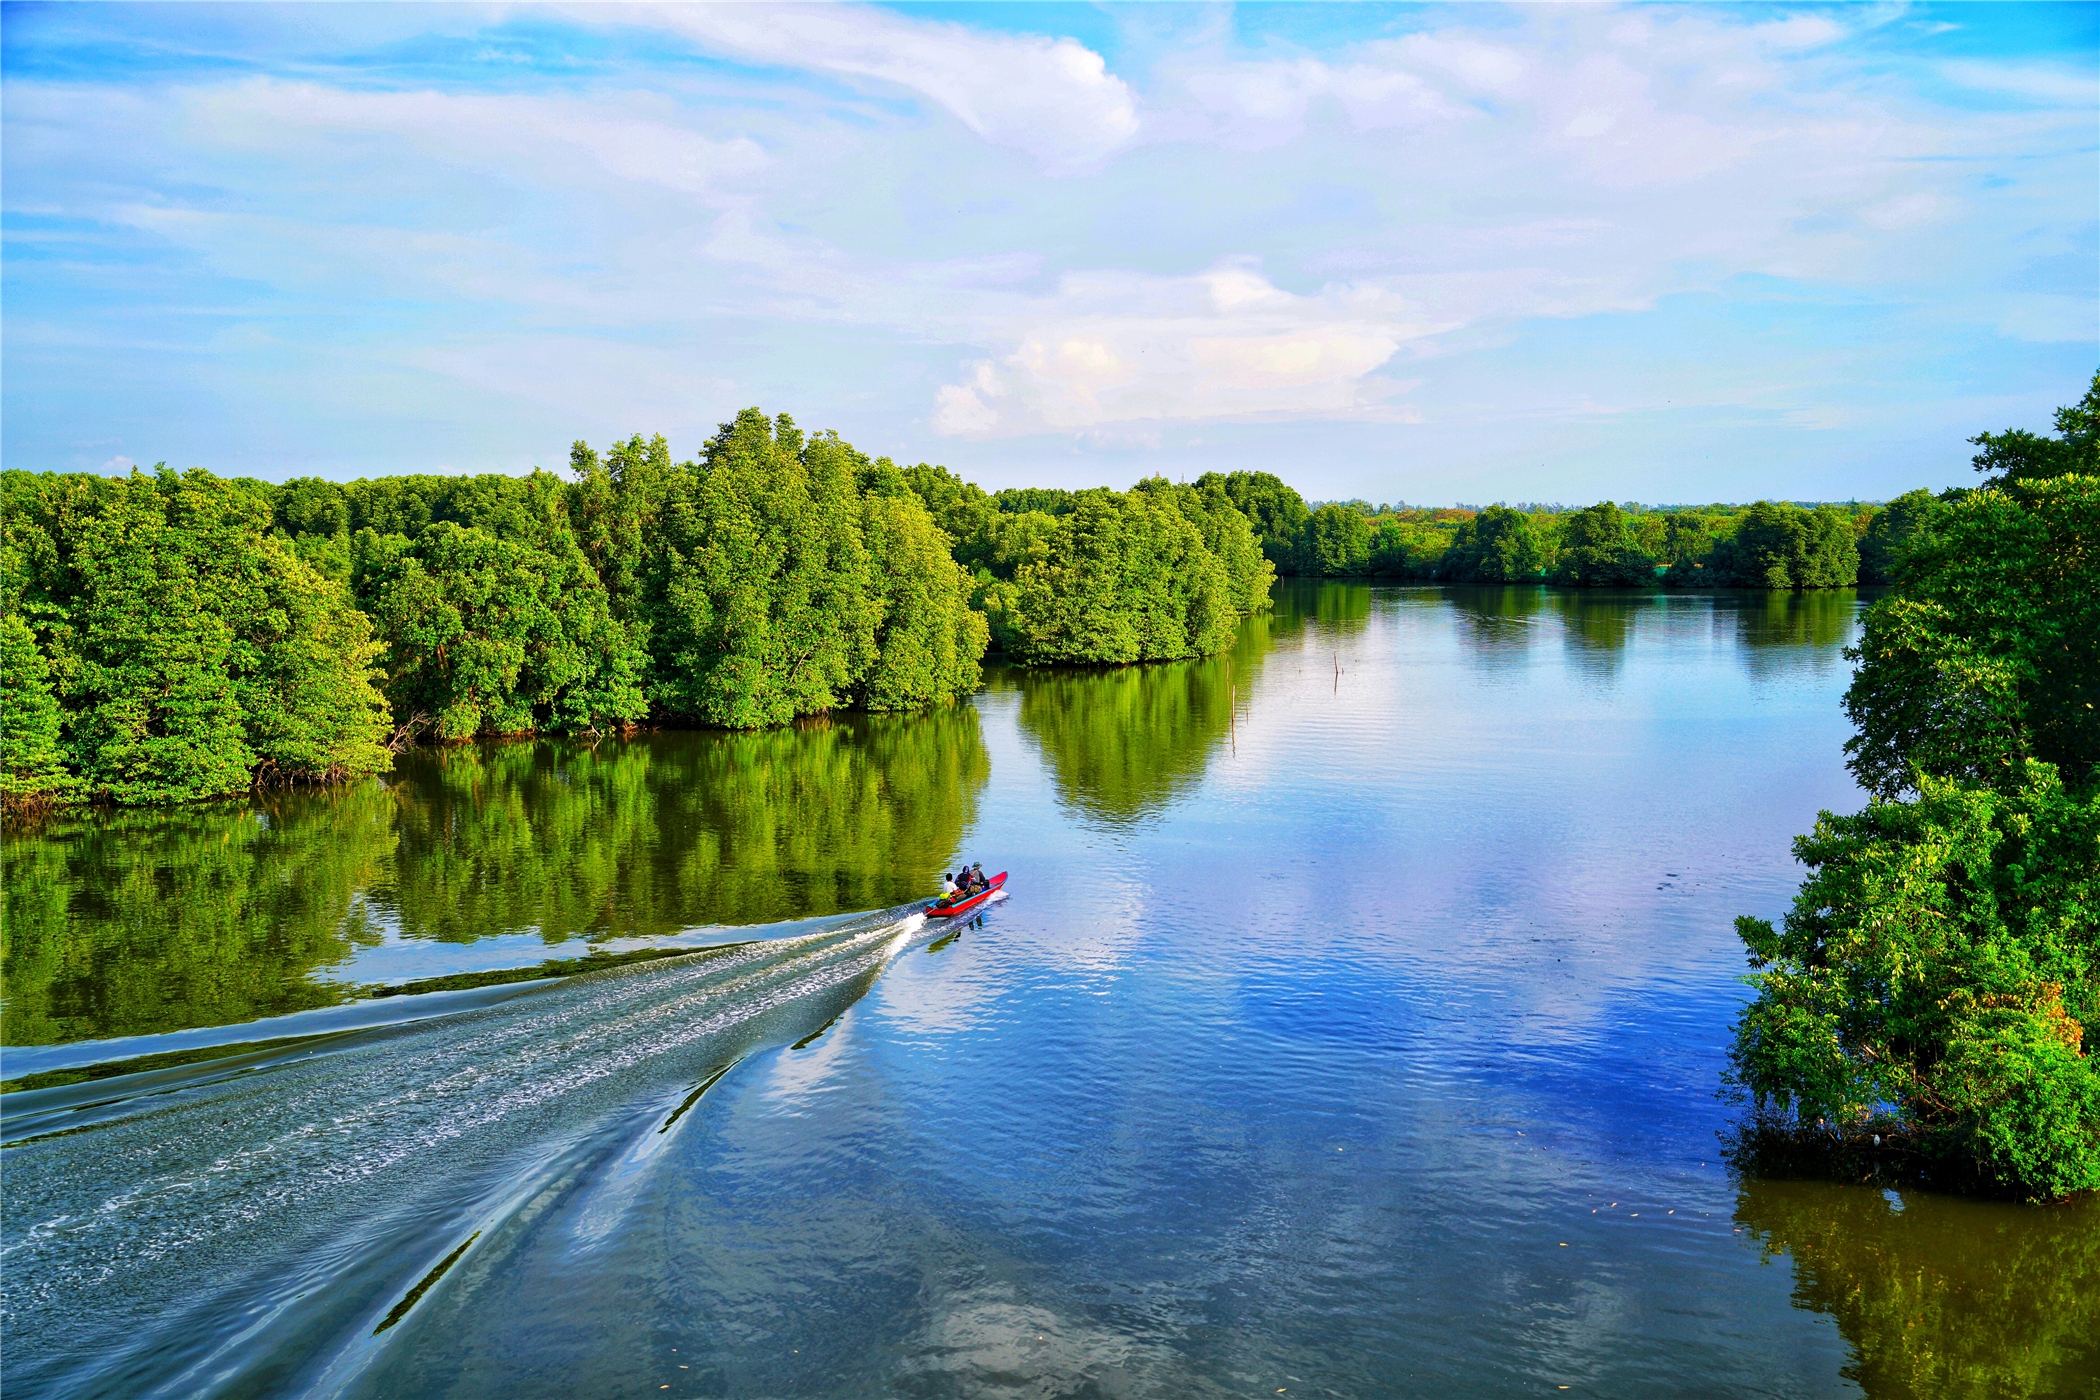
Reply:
x=1772, y=544
x=167, y=636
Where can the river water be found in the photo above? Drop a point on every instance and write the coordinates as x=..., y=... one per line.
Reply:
x=1352, y=1028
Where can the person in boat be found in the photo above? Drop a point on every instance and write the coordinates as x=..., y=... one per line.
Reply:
x=947, y=885
x=977, y=881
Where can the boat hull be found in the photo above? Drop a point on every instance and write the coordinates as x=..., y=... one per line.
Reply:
x=940, y=910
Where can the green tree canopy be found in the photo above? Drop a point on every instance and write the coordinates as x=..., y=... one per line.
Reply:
x=486, y=635
x=757, y=596
x=1339, y=540
x=34, y=770
x=1226, y=534
x=1688, y=536
x=1499, y=545
x=2018, y=455
x=970, y=518
x=1016, y=500
x=1940, y=966
x=928, y=639
x=1989, y=653
x=1277, y=513
x=1940, y=960
x=191, y=652
x=1889, y=533
x=1126, y=577
x=1776, y=545
x=1596, y=551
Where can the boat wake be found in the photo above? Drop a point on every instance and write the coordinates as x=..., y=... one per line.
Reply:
x=269, y=1224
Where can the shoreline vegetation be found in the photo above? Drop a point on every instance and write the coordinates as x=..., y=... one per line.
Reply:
x=167, y=637
x=1925, y=1011
x=1928, y=1009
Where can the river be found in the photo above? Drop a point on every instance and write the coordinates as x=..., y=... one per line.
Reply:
x=1353, y=1027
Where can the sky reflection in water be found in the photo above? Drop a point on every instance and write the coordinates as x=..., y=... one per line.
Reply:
x=1353, y=1028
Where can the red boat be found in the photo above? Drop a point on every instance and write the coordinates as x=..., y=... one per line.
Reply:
x=942, y=909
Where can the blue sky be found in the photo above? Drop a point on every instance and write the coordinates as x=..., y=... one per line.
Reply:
x=1423, y=253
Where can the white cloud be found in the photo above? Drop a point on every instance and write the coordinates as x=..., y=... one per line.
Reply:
x=1052, y=98
x=1226, y=344
x=2047, y=85
x=1250, y=233
x=538, y=139
x=1262, y=104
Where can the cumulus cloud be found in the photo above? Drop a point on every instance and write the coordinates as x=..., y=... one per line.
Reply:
x=1587, y=164
x=1241, y=231
x=1053, y=98
x=1225, y=344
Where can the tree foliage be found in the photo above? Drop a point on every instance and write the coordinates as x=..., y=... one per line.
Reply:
x=1228, y=535
x=1939, y=973
x=172, y=637
x=1888, y=535
x=2017, y=455
x=756, y=589
x=1018, y=500
x=1125, y=577
x=1597, y=551
x=31, y=722
x=189, y=652
x=489, y=636
x=1499, y=545
x=1941, y=961
x=1277, y=513
x=1781, y=546
x=1989, y=653
x=1339, y=542
x=928, y=639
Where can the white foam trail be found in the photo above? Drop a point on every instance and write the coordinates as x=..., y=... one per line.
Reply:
x=239, y=1197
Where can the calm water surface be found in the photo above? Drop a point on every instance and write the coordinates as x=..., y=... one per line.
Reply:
x=1352, y=1029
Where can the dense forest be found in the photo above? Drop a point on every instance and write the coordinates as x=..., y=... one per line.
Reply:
x=166, y=636
x=1929, y=1002
x=170, y=636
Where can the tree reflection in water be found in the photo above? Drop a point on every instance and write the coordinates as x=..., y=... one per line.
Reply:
x=644, y=837
x=1778, y=634
x=1941, y=1298
x=1498, y=623
x=1124, y=743
x=1596, y=625
x=123, y=923
x=135, y=921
